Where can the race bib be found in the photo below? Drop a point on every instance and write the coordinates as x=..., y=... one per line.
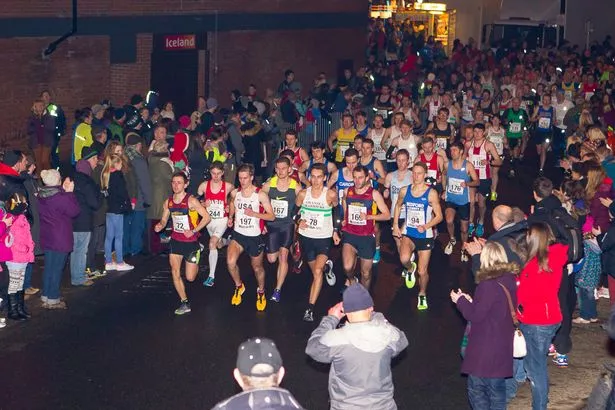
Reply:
x=441, y=143
x=454, y=186
x=515, y=127
x=181, y=223
x=544, y=122
x=415, y=218
x=343, y=149
x=479, y=163
x=432, y=173
x=216, y=210
x=384, y=113
x=354, y=215
x=499, y=145
x=568, y=95
x=314, y=220
x=280, y=208
x=246, y=222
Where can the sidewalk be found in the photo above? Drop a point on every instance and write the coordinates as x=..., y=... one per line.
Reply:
x=570, y=387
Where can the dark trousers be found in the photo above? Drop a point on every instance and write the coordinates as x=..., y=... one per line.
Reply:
x=567, y=302
x=485, y=393
x=55, y=155
x=97, y=243
x=134, y=228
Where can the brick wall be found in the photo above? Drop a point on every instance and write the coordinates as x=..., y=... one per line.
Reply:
x=261, y=58
x=62, y=8
x=129, y=79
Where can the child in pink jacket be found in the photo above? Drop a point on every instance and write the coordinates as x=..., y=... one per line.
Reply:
x=22, y=249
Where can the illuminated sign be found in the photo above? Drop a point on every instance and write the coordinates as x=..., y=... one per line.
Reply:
x=180, y=42
x=430, y=6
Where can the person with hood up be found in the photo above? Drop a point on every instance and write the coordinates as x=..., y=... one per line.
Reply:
x=58, y=208
x=181, y=142
x=89, y=198
x=360, y=353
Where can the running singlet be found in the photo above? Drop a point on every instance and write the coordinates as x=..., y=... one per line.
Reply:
x=516, y=121
x=378, y=151
x=497, y=138
x=183, y=219
x=409, y=145
x=363, y=132
x=318, y=215
x=358, y=204
x=371, y=167
x=395, y=132
x=383, y=108
x=297, y=161
x=480, y=159
x=396, y=186
x=418, y=212
x=545, y=119
x=442, y=136
x=434, y=106
x=342, y=184
x=466, y=110
x=432, y=166
x=455, y=192
x=569, y=89
x=247, y=225
x=217, y=208
x=344, y=139
x=282, y=203
x=311, y=164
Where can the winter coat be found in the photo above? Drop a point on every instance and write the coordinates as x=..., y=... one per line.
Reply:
x=143, y=183
x=511, y=236
x=161, y=173
x=32, y=186
x=542, y=213
x=596, y=209
x=89, y=198
x=5, y=252
x=490, y=342
x=118, y=201
x=273, y=398
x=607, y=245
x=57, y=211
x=99, y=217
x=23, y=245
x=537, y=294
x=41, y=130
x=10, y=182
x=360, y=355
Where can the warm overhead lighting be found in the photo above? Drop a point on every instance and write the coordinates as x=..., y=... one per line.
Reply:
x=431, y=7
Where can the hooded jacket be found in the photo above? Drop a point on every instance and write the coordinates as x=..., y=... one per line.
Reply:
x=57, y=210
x=10, y=182
x=542, y=213
x=161, y=172
x=23, y=245
x=490, y=342
x=88, y=195
x=596, y=209
x=511, y=236
x=360, y=355
x=138, y=167
x=5, y=251
x=273, y=398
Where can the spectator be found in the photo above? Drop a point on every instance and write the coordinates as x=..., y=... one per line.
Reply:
x=99, y=136
x=41, y=134
x=55, y=111
x=161, y=172
x=134, y=121
x=360, y=353
x=58, y=207
x=259, y=373
x=289, y=84
x=134, y=222
x=207, y=118
x=89, y=198
x=116, y=127
x=168, y=111
x=98, y=115
x=32, y=185
x=82, y=134
x=235, y=146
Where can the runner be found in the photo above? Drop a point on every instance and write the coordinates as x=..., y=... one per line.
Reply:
x=483, y=155
x=407, y=140
x=385, y=103
x=317, y=206
x=423, y=214
x=361, y=204
x=377, y=174
x=516, y=121
x=282, y=191
x=376, y=134
x=215, y=194
x=344, y=137
x=544, y=116
x=184, y=210
x=318, y=157
x=342, y=178
x=444, y=132
x=249, y=209
x=433, y=102
x=434, y=162
x=392, y=132
x=299, y=155
x=496, y=135
x=467, y=107
x=460, y=175
x=361, y=123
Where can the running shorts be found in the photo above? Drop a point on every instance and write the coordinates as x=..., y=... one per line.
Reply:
x=252, y=245
x=311, y=248
x=217, y=227
x=364, y=245
x=462, y=210
x=280, y=237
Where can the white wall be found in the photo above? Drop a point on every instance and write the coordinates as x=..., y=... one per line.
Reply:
x=600, y=12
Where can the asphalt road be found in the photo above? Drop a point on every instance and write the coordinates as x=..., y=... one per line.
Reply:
x=119, y=345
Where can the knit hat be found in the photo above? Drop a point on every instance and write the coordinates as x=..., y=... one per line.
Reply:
x=258, y=351
x=12, y=157
x=356, y=298
x=212, y=103
x=184, y=121
x=51, y=177
x=88, y=152
x=96, y=108
x=133, y=138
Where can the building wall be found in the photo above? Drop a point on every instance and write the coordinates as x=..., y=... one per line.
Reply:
x=599, y=12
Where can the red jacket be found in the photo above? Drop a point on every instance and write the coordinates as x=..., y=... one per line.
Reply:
x=537, y=293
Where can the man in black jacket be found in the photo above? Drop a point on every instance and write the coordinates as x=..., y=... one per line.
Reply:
x=89, y=198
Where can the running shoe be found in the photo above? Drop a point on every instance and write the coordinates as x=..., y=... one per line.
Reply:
x=236, y=299
x=96, y=274
x=471, y=230
x=377, y=255
x=422, y=304
x=110, y=266
x=209, y=282
x=449, y=247
x=561, y=360
x=276, y=295
x=123, y=267
x=494, y=196
x=409, y=275
x=552, y=351
x=329, y=274
x=183, y=308
x=308, y=316
x=464, y=256
x=261, y=301
x=480, y=230
x=297, y=267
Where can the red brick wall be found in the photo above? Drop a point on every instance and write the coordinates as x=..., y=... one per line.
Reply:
x=261, y=58
x=129, y=79
x=62, y=8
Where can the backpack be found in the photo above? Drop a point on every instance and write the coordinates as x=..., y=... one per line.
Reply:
x=567, y=231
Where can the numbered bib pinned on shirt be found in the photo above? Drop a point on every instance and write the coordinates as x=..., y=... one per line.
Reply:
x=280, y=208
x=216, y=211
x=354, y=215
x=454, y=186
x=314, y=220
x=181, y=223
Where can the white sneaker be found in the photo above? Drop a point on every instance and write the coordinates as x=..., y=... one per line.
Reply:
x=123, y=267
x=329, y=275
x=603, y=293
x=464, y=256
x=110, y=266
x=449, y=247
